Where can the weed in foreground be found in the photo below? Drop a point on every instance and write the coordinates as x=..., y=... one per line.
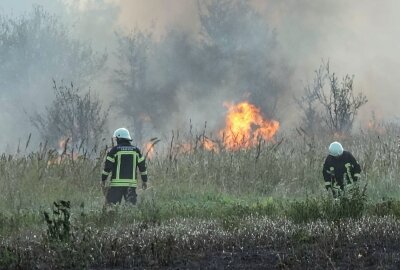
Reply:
x=350, y=204
x=59, y=225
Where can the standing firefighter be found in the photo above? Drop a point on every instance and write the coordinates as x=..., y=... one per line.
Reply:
x=340, y=169
x=122, y=162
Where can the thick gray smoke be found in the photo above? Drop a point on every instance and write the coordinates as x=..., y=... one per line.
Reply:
x=35, y=49
x=181, y=76
x=178, y=60
x=357, y=37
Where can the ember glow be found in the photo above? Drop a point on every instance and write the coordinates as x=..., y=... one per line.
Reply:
x=149, y=150
x=63, y=154
x=375, y=126
x=210, y=145
x=245, y=126
x=184, y=148
x=62, y=144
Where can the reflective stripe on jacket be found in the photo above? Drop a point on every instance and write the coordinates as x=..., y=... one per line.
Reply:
x=122, y=162
x=341, y=170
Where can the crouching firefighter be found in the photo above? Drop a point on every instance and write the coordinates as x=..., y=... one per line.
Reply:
x=340, y=169
x=121, y=163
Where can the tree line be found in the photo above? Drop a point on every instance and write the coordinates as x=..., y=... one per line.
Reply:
x=234, y=55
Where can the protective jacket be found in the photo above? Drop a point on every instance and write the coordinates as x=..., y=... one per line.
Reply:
x=122, y=162
x=340, y=171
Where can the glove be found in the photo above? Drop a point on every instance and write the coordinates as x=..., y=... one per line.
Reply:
x=144, y=185
x=328, y=185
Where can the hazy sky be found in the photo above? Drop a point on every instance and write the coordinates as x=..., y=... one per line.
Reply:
x=360, y=37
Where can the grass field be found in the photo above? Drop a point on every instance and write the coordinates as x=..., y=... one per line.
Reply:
x=264, y=207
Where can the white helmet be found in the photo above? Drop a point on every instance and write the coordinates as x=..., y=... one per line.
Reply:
x=122, y=133
x=335, y=149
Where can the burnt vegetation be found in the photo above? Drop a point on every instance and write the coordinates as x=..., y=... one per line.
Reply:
x=330, y=104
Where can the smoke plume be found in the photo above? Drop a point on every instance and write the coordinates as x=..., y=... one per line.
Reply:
x=265, y=52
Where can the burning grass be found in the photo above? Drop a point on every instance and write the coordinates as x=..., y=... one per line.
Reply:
x=262, y=206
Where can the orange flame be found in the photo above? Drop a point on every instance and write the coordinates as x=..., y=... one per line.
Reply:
x=63, y=154
x=244, y=127
x=184, y=148
x=149, y=150
x=374, y=126
x=209, y=145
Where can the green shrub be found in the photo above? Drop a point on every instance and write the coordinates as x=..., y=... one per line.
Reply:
x=349, y=204
x=59, y=225
x=387, y=207
x=304, y=210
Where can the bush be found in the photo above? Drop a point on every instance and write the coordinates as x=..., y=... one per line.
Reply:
x=330, y=104
x=349, y=204
x=59, y=225
x=73, y=117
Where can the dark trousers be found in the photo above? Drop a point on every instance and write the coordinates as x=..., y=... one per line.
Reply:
x=115, y=194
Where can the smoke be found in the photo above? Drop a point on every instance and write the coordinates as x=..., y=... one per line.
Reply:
x=358, y=38
x=192, y=73
x=158, y=15
x=188, y=76
x=35, y=49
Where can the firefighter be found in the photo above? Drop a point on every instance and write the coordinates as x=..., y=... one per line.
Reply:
x=121, y=163
x=340, y=169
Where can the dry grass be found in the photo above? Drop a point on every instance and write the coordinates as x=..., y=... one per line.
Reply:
x=268, y=199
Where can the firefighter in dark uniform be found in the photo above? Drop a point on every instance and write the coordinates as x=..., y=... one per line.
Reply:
x=340, y=169
x=121, y=163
